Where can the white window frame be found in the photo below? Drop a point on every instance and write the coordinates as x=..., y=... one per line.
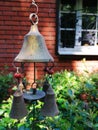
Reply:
x=78, y=49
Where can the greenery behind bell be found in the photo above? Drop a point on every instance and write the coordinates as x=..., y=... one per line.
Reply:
x=6, y=83
x=74, y=112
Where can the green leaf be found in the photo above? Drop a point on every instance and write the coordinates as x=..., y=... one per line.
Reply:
x=89, y=85
x=2, y=128
x=1, y=112
x=96, y=125
x=21, y=128
x=70, y=92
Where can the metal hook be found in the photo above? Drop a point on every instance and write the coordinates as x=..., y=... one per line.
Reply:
x=49, y=69
x=34, y=4
x=16, y=67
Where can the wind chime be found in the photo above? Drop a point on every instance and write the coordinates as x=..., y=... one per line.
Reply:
x=33, y=50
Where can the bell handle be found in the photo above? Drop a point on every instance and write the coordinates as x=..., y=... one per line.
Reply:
x=33, y=18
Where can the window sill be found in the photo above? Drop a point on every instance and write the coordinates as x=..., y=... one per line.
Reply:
x=79, y=50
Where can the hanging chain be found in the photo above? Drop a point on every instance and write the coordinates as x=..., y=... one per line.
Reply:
x=33, y=16
x=35, y=5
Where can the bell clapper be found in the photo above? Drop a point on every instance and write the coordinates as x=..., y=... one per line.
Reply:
x=20, y=86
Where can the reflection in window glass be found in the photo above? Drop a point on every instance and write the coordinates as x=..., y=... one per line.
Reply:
x=68, y=38
x=67, y=5
x=88, y=38
x=88, y=22
x=68, y=23
x=68, y=20
x=90, y=6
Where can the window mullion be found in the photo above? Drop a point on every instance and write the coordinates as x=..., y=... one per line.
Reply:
x=96, y=34
x=78, y=23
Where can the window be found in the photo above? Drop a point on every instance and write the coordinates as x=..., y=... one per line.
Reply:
x=77, y=27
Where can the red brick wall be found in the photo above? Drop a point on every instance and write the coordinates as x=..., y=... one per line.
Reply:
x=14, y=24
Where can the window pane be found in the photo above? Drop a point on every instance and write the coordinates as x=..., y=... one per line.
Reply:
x=67, y=38
x=90, y=6
x=68, y=5
x=88, y=22
x=88, y=38
x=68, y=20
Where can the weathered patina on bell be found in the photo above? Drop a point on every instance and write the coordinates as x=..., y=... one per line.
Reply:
x=50, y=107
x=18, y=108
x=34, y=48
x=47, y=88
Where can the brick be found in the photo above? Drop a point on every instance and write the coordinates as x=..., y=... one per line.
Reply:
x=10, y=13
x=11, y=23
x=6, y=37
x=5, y=27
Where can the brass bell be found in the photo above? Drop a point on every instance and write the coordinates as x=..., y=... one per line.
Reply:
x=34, y=48
x=50, y=107
x=18, y=109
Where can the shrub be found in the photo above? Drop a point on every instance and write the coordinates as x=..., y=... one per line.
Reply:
x=6, y=84
x=75, y=114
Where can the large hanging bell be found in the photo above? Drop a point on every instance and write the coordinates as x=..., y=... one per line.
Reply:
x=18, y=109
x=34, y=48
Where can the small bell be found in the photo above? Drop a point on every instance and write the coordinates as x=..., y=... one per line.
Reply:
x=18, y=109
x=34, y=48
x=50, y=91
x=47, y=88
x=50, y=107
x=46, y=85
